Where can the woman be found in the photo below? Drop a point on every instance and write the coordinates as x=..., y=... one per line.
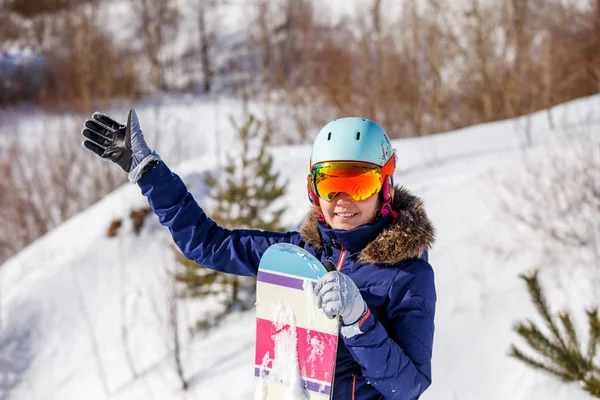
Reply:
x=376, y=234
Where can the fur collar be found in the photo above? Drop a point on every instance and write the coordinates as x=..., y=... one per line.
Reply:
x=404, y=238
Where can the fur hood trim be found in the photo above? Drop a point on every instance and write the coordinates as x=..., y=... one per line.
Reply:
x=404, y=238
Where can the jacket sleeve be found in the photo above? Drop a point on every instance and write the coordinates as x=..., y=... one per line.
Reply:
x=200, y=238
x=396, y=359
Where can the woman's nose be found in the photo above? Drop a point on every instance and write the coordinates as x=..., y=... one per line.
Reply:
x=342, y=197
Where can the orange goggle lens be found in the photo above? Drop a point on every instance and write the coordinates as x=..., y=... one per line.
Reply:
x=359, y=180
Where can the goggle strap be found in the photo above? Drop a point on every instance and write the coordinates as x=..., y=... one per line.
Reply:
x=312, y=196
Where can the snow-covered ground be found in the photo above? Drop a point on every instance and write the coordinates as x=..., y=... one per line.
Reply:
x=86, y=316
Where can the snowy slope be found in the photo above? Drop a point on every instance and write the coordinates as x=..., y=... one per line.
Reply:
x=66, y=299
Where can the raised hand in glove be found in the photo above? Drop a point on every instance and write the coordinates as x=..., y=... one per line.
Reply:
x=337, y=294
x=123, y=145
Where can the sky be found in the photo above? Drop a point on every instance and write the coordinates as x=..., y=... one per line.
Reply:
x=83, y=315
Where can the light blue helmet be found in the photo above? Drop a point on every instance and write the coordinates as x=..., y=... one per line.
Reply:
x=355, y=139
x=352, y=139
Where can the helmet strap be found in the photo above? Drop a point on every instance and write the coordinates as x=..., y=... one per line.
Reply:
x=321, y=217
x=386, y=209
x=387, y=197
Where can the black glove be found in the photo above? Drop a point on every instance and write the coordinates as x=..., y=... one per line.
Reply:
x=123, y=145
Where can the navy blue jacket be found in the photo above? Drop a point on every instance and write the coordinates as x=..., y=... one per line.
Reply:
x=391, y=359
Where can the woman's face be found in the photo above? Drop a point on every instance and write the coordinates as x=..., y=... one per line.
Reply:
x=343, y=212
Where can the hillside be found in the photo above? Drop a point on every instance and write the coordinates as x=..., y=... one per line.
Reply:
x=78, y=308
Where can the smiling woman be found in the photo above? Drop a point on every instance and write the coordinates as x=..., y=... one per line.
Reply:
x=376, y=235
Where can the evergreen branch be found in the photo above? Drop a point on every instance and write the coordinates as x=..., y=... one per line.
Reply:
x=592, y=386
x=541, y=344
x=567, y=323
x=594, y=335
x=519, y=355
x=574, y=354
x=562, y=354
x=539, y=300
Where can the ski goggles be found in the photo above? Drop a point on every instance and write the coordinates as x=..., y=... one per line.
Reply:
x=359, y=180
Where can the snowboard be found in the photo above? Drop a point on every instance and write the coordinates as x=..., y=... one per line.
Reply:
x=296, y=344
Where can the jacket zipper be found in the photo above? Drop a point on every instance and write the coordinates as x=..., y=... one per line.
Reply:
x=353, y=386
x=340, y=262
x=339, y=266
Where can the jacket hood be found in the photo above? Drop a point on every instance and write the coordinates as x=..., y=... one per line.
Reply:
x=404, y=238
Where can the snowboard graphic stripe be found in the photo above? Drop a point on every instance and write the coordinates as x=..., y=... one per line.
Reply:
x=282, y=280
x=310, y=385
x=316, y=350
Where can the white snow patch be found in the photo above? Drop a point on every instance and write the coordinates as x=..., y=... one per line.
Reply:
x=317, y=348
x=262, y=389
x=285, y=368
x=311, y=304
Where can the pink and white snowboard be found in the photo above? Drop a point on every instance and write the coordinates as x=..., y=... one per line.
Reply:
x=296, y=343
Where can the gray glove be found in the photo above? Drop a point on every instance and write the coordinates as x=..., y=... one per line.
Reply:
x=337, y=294
x=123, y=145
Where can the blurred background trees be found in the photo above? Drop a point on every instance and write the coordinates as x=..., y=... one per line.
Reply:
x=420, y=68
x=417, y=67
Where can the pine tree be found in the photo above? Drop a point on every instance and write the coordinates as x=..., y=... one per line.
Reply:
x=244, y=193
x=560, y=349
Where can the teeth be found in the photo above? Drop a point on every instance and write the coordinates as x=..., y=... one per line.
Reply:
x=345, y=214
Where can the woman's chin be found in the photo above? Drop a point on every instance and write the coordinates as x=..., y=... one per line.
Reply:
x=344, y=223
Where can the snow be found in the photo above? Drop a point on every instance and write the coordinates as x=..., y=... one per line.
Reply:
x=285, y=367
x=86, y=316
x=309, y=296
